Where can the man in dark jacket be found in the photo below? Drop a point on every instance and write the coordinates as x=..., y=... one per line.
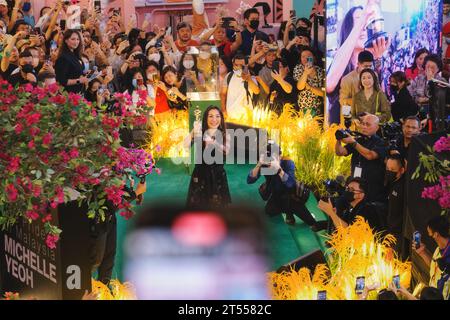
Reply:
x=355, y=195
x=280, y=184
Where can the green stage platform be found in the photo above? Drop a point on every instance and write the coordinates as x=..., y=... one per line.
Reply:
x=286, y=242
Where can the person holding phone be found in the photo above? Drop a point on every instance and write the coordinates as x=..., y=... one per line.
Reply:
x=310, y=83
x=283, y=89
x=238, y=89
x=251, y=23
x=69, y=65
x=208, y=187
x=220, y=40
x=439, y=263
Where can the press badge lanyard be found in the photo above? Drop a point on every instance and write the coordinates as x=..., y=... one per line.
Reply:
x=357, y=173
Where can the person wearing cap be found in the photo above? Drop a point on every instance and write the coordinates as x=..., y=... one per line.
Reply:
x=184, y=37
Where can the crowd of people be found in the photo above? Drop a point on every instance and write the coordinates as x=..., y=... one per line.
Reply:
x=246, y=67
x=244, y=64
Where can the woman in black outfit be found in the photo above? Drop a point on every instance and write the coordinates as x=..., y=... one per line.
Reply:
x=404, y=105
x=209, y=185
x=69, y=66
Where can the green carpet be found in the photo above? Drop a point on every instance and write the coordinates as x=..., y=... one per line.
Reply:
x=286, y=243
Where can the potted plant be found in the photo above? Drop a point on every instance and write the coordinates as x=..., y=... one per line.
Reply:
x=57, y=147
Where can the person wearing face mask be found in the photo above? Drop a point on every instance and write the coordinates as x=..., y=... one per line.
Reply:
x=395, y=181
x=188, y=72
x=251, y=22
x=356, y=196
x=238, y=89
x=27, y=74
x=403, y=105
x=437, y=229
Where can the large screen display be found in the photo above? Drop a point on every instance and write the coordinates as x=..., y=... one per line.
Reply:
x=352, y=24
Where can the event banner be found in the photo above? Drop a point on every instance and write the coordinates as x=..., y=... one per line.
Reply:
x=28, y=266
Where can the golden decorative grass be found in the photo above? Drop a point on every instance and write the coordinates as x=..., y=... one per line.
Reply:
x=118, y=291
x=355, y=251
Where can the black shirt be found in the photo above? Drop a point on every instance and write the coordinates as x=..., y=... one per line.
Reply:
x=69, y=66
x=7, y=73
x=404, y=105
x=17, y=79
x=373, y=171
x=395, y=206
x=283, y=97
x=247, y=40
x=368, y=211
x=400, y=147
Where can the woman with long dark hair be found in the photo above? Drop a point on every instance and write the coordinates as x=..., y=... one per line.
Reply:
x=169, y=85
x=371, y=98
x=209, y=185
x=188, y=73
x=69, y=65
x=404, y=104
x=352, y=38
x=417, y=66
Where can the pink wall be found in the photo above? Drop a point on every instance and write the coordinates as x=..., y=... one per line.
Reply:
x=161, y=13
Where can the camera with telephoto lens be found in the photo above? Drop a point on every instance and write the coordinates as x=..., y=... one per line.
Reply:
x=390, y=131
x=334, y=189
x=268, y=156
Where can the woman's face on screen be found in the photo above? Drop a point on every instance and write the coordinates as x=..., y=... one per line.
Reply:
x=357, y=15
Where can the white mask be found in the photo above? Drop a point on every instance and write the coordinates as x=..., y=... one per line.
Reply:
x=154, y=57
x=188, y=64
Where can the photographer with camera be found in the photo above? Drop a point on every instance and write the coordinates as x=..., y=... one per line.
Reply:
x=410, y=129
x=368, y=152
x=356, y=196
x=280, y=189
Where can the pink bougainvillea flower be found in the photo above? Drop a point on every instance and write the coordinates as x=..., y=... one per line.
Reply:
x=18, y=128
x=443, y=144
x=11, y=192
x=51, y=240
x=14, y=164
x=31, y=144
x=47, y=139
x=31, y=214
x=34, y=131
x=127, y=214
x=73, y=153
x=114, y=194
x=32, y=119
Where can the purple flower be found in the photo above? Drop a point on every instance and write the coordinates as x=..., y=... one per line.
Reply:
x=443, y=144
